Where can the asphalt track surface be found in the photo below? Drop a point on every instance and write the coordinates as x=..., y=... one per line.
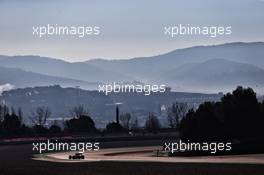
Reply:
x=149, y=154
x=19, y=160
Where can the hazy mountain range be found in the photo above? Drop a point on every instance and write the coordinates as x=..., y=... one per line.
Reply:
x=251, y=53
x=20, y=78
x=60, y=68
x=215, y=74
x=201, y=69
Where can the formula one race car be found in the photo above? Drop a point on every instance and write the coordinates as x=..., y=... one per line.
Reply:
x=76, y=156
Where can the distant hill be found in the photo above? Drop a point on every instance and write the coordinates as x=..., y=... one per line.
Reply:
x=173, y=68
x=20, y=79
x=61, y=100
x=59, y=68
x=147, y=67
x=215, y=74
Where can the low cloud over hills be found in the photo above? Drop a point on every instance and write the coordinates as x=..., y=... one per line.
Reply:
x=200, y=69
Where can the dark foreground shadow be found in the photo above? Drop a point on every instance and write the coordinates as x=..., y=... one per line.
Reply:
x=16, y=160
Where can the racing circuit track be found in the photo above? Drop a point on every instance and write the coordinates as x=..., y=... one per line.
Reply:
x=149, y=154
x=115, y=160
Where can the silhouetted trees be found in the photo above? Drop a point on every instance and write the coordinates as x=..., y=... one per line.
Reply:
x=152, y=123
x=55, y=129
x=20, y=114
x=39, y=119
x=40, y=115
x=78, y=111
x=135, y=125
x=237, y=115
x=262, y=110
x=114, y=127
x=83, y=123
x=242, y=113
x=175, y=113
x=11, y=123
x=4, y=110
x=201, y=124
x=125, y=120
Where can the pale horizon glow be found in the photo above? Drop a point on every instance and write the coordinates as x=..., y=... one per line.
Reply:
x=73, y=60
x=129, y=29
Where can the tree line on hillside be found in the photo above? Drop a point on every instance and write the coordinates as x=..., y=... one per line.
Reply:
x=238, y=115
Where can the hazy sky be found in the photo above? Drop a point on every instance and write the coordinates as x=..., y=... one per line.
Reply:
x=129, y=28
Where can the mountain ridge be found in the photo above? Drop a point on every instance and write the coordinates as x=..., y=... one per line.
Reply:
x=151, y=70
x=21, y=79
x=60, y=68
x=217, y=74
x=239, y=51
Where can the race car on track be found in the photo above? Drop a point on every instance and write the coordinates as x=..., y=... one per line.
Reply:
x=76, y=156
